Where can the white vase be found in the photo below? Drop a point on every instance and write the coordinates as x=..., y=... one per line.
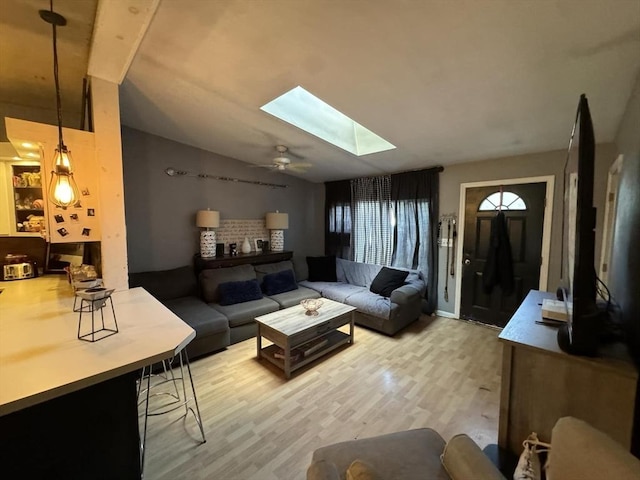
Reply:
x=246, y=246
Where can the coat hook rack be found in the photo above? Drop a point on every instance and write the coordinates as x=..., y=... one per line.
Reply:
x=172, y=172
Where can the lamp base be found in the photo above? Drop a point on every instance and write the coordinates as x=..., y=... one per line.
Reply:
x=277, y=240
x=207, y=244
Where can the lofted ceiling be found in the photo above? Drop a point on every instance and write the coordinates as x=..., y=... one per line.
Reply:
x=446, y=82
x=26, y=55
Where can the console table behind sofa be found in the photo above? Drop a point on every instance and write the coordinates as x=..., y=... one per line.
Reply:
x=253, y=258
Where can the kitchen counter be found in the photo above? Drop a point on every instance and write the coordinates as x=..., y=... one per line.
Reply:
x=47, y=375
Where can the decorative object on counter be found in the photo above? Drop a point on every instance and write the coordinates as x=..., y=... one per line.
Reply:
x=246, y=246
x=91, y=301
x=277, y=222
x=63, y=191
x=265, y=246
x=208, y=219
x=172, y=172
x=219, y=249
x=233, y=249
x=80, y=286
x=258, y=244
x=311, y=305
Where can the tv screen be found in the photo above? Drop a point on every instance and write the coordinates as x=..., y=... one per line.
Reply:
x=580, y=335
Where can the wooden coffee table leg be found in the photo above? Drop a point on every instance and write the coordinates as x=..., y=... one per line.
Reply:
x=287, y=359
x=259, y=342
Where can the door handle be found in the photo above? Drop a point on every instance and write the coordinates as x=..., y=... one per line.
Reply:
x=467, y=261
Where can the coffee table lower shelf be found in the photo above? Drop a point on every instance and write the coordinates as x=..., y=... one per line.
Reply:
x=336, y=339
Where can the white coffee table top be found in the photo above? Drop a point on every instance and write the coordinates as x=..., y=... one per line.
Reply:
x=294, y=319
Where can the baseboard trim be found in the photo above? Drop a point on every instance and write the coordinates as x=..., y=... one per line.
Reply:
x=442, y=313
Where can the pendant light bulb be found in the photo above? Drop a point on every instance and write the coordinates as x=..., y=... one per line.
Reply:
x=63, y=191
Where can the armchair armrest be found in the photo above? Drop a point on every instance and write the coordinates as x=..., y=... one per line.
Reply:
x=463, y=459
x=322, y=470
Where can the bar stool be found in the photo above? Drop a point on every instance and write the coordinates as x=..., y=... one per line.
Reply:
x=165, y=375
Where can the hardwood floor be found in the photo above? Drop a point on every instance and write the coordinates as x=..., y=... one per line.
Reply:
x=439, y=373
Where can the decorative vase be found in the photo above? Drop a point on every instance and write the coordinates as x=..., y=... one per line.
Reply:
x=246, y=246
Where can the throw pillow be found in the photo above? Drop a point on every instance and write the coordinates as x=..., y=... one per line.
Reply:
x=359, y=470
x=279, y=282
x=387, y=280
x=239, y=292
x=322, y=269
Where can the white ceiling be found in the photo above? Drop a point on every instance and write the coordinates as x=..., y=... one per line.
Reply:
x=446, y=82
x=26, y=55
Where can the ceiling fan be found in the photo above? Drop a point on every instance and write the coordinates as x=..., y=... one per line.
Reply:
x=281, y=162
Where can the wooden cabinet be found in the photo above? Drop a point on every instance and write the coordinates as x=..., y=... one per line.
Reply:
x=541, y=383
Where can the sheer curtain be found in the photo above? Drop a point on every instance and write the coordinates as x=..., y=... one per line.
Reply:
x=371, y=220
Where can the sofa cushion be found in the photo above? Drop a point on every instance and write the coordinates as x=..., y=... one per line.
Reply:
x=197, y=314
x=239, y=292
x=370, y=303
x=294, y=297
x=211, y=278
x=387, y=280
x=267, y=268
x=411, y=454
x=340, y=292
x=243, y=313
x=167, y=284
x=279, y=282
x=322, y=269
x=357, y=273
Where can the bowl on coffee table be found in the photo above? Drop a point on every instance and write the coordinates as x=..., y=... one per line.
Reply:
x=311, y=306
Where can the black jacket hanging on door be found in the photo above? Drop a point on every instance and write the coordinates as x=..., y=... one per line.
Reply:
x=499, y=267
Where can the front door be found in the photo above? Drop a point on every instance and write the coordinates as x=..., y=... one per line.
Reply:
x=523, y=206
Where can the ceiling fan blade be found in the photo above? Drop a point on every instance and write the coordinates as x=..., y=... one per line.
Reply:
x=263, y=166
x=299, y=167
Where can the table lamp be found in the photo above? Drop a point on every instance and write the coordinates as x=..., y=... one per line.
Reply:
x=277, y=223
x=208, y=219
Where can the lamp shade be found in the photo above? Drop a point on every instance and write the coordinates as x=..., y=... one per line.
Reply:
x=277, y=221
x=208, y=219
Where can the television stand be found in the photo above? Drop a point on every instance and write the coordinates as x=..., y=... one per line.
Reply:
x=541, y=383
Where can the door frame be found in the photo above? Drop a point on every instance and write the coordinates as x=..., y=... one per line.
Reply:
x=546, y=226
x=610, y=209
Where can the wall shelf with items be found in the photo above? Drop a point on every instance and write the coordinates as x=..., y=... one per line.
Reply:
x=28, y=199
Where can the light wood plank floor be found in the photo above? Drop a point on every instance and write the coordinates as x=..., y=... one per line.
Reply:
x=439, y=373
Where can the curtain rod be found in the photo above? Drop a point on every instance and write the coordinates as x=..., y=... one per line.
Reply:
x=437, y=169
x=172, y=172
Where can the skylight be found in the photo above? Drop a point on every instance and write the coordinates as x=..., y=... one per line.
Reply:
x=306, y=111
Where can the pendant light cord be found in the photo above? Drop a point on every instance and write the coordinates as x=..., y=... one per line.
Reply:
x=57, y=82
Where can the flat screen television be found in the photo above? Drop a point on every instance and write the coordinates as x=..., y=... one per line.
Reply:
x=580, y=336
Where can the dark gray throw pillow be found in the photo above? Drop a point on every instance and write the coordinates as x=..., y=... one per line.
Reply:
x=239, y=292
x=279, y=282
x=322, y=269
x=387, y=280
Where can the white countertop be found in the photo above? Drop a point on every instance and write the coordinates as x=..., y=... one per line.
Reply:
x=41, y=357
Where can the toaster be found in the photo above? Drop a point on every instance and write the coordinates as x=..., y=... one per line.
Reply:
x=18, y=271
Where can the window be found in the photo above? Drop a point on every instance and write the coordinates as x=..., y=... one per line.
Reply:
x=510, y=201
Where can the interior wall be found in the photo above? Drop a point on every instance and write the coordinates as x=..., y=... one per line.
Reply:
x=533, y=165
x=161, y=210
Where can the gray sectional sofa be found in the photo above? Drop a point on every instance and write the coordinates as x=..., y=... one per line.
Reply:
x=384, y=314
x=221, y=318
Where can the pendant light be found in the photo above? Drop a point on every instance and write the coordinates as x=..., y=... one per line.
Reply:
x=63, y=191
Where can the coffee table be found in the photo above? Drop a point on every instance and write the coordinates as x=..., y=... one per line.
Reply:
x=299, y=339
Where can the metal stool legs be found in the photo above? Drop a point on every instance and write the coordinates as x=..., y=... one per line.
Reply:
x=176, y=401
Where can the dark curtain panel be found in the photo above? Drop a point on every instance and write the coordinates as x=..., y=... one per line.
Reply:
x=414, y=196
x=337, y=235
